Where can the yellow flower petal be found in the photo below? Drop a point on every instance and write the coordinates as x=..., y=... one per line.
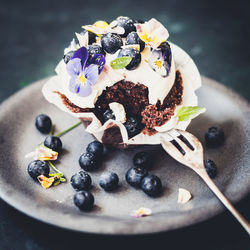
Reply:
x=45, y=181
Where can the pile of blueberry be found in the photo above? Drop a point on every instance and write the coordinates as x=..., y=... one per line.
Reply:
x=81, y=182
x=37, y=167
x=139, y=177
x=112, y=42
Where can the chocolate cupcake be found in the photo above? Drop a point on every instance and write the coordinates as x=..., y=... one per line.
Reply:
x=128, y=85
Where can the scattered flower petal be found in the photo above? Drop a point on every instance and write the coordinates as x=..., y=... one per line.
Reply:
x=184, y=196
x=45, y=181
x=153, y=33
x=141, y=212
x=43, y=153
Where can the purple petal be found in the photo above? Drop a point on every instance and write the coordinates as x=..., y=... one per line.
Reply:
x=74, y=67
x=91, y=73
x=85, y=89
x=74, y=86
x=97, y=59
x=82, y=54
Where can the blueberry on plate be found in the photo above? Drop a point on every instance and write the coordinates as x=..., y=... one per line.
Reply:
x=92, y=36
x=68, y=56
x=37, y=167
x=126, y=23
x=43, y=123
x=142, y=159
x=107, y=115
x=133, y=126
x=133, y=38
x=53, y=142
x=151, y=185
x=81, y=181
x=211, y=168
x=96, y=148
x=84, y=200
x=111, y=42
x=135, y=54
x=109, y=181
x=214, y=137
x=135, y=175
x=88, y=161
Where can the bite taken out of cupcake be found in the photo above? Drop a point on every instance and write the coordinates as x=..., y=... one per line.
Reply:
x=126, y=82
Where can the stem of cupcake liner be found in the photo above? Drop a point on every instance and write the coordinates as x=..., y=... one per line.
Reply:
x=68, y=130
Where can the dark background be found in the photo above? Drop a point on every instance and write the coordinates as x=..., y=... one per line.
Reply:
x=33, y=35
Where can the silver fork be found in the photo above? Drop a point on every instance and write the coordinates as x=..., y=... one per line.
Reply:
x=187, y=149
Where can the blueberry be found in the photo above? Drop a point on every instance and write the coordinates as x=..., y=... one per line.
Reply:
x=133, y=38
x=81, y=181
x=36, y=168
x=126, y=23
x=135, y=175
x=151, y=185
x=95, y=49
x=96, y=148
x=54, y=143
x=211, y=168
x=111, y=42
x=68, y=56
x=109, y=181
x=92, y=36
x=43, y=123
x=214, y=137
x=88, y=161
x=84, y=200
x=133, y=126
x=136, y=57
x=108, y=114
x=142, y=159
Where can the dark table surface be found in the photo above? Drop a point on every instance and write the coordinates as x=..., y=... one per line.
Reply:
x=33, y=35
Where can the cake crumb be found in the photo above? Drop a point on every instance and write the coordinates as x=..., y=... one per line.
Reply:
x=141, y=212
x=184, y=196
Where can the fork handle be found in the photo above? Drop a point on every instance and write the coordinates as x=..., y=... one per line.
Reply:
x=203, y=174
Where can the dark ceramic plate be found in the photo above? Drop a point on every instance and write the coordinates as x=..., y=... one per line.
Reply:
x=111, y=214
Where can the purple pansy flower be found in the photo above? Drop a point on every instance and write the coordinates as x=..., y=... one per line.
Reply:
x=160, y=59
x=84, y=73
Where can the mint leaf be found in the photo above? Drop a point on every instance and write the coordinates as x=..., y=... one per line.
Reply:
x=189, y=112
x=121, y=62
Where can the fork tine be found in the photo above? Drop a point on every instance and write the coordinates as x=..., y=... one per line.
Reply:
x=191, y=139
x=182, y=141
x=170, y=148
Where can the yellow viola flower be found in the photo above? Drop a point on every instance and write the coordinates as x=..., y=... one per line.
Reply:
x=102, y=27
x=153, y=33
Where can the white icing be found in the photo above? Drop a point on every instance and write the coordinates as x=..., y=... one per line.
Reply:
x=158, y=86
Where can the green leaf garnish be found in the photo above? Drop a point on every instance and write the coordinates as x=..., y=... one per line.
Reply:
x=189, y=112
x=121, y=62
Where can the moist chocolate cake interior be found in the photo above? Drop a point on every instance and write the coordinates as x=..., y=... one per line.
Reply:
x=134, y=98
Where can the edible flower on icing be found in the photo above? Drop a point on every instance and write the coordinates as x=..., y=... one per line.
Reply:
x=160, y=59
x=153, y=33
x=102, y=27
x=84, y=73
x=43, y=153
